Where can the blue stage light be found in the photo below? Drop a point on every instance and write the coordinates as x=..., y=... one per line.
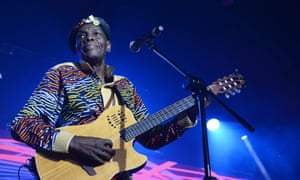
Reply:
x=213, y=124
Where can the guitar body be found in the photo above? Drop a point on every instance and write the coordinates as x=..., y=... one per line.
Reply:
x=107, y=125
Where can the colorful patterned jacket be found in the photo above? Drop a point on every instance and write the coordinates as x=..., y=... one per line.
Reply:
x=70, y=95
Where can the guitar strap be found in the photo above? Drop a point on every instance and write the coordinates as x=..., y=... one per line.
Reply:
x=109, y=102
x=119, y=96
x=110, y=93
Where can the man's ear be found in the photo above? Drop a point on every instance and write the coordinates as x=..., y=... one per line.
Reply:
x=76, y=47
x=108, y=46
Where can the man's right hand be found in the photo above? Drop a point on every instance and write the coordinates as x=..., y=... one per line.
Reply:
x=91, y=151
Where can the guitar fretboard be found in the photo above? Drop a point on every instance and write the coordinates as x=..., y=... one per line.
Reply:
x=157, y=118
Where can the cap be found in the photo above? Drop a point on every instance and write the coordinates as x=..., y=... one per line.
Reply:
x=97, y=21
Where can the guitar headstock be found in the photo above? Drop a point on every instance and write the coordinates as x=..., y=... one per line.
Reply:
x=228, y=85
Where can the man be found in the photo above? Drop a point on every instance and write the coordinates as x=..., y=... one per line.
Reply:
x=78, y=93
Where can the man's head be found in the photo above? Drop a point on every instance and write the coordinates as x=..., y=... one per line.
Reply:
x=89, y=34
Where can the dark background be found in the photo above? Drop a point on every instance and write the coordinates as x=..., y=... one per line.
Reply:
x=208, y=38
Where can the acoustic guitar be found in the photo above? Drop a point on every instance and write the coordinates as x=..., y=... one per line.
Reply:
x=118, y=124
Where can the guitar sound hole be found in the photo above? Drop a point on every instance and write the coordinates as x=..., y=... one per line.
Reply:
x=116, y=120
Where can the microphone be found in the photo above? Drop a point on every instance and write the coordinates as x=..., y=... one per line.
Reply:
x=135, y=46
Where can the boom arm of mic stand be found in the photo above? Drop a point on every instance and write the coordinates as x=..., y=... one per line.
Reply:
x=166, y=58
x=232, y=112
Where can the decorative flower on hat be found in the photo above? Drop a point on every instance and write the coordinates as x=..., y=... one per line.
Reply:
x=91, y=19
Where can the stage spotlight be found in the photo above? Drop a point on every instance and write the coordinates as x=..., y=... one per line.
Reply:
x=213, y=124
x=244, y=137
x=255, y=157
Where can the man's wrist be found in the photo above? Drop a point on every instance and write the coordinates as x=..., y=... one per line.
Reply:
x=185, y=122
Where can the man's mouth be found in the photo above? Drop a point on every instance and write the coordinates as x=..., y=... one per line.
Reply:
x=90, y=46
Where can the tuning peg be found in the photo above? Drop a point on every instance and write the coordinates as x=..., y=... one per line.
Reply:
x=236, y=71
x=238, y=90
x=232, y=93
x=227, y=95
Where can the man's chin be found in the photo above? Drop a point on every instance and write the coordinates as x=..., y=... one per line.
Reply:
x=91, y=55
x=92, y=58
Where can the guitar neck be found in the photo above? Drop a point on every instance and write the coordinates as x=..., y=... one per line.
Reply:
x=225, y=85
x=157, y=118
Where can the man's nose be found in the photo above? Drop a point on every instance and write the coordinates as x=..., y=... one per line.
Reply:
x=90, y=36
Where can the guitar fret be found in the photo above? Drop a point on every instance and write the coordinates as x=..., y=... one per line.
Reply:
x=130, y=133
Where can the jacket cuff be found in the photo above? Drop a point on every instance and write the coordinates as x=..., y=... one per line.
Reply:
x=62, y=142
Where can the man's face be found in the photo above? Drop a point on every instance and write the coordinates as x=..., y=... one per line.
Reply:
x=91, y=43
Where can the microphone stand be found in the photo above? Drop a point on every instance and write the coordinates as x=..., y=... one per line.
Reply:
x=199, y=88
